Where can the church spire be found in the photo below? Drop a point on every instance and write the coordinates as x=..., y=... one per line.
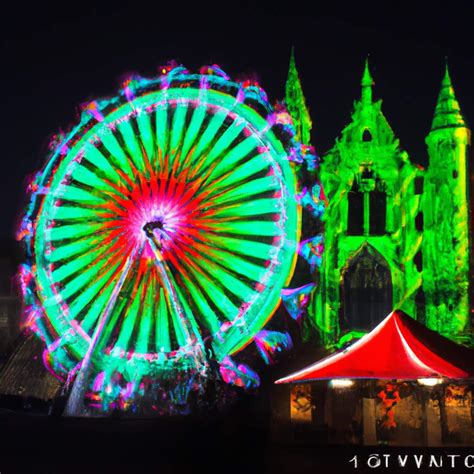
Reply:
x=367, y=84
x=296, y=103
x=447, y=112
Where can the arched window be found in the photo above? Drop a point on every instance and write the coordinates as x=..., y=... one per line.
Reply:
x=355, y=211
x=418, y=260
x=367, y=206
x=419, y=185
x=366, y=290
x=419, y=221
x=378, y=211
x=366, y=135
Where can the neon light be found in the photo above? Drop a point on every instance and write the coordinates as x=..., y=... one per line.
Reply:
x=341, y=383
x=430, y=382
x=272, y=343
x=199, y=158
x=296, y=300
x=239, y=375
x=383, y=204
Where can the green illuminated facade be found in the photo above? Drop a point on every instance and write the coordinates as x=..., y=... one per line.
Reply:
x=446, y=216
x=396, y=235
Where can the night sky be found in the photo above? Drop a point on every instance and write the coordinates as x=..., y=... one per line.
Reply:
x=55, y=58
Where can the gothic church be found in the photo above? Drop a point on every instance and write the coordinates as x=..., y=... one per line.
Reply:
x=395, y=235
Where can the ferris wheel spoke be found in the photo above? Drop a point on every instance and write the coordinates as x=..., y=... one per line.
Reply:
x=240, y=266
x=76, y=399
x=73, y=213
x=146, y=323
x=146, y=134
x=161, y=124
x=114, y=182
x=207, y=313
x=245, y=190
x=221, y=146
x=206, y=139
x=73, y=248
x=186, y=165
x=181, y=314
x=76, y=230
x=76, y=305
x=101, y=163
x=177, y=127
x=192, y=131
x=132, y=146
x=94, y=255
x=82, y=280
x=206, y=167
x=98, y=294
x=230, y=159
x=77, y=195
x=116, y=153
x=72, y=267
x=169, y=328
x=233, y=284
x=263, y=228
x=107, y=339
x=255, y=207
x=217, y=293
x=186, y=320
x=162, y=337
x=86, y=176
x=252, y=167
x=129, y=321
x=247, y=247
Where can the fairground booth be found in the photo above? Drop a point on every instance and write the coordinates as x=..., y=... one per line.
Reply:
x=401, y=384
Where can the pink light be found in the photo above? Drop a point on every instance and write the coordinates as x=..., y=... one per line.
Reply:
x=99, y=382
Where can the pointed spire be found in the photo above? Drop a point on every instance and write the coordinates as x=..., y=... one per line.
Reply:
x=447, y=112
x=447, y=78
x=367, y=84
x=296, y=103
x=292, y=59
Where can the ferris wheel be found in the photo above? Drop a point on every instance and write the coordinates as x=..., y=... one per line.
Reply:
x=166, y=216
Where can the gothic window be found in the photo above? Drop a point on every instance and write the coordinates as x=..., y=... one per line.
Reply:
x=419, y=221
x=367, y=206
x=419, y=185
x=366, y=291
x=378, y=207
x=418, y=260
x=366, y=135
x=355, y=212
x=367, y=173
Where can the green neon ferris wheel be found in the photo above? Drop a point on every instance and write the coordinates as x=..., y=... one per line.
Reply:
x=167, y=215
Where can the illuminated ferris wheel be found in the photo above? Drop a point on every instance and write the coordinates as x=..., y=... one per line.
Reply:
x=168, y=215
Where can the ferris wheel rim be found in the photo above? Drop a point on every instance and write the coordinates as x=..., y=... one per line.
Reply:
x=289, y=181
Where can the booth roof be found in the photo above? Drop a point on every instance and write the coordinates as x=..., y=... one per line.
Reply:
x=398, y=348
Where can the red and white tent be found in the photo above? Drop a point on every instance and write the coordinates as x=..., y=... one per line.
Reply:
x=398, y=348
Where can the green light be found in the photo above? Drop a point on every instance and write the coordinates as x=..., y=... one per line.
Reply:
x=427, y=259
x=182, y=130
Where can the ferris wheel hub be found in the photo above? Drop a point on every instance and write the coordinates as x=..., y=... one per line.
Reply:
x=157, y=225
x=149, y=227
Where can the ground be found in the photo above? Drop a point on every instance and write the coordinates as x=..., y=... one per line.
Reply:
x=229, y=444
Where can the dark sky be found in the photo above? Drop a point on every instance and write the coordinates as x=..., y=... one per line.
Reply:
x=55, y=57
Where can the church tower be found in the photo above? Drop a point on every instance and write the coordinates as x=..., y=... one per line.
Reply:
x=296, y=103
x=372, y=240
x=446, y=219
